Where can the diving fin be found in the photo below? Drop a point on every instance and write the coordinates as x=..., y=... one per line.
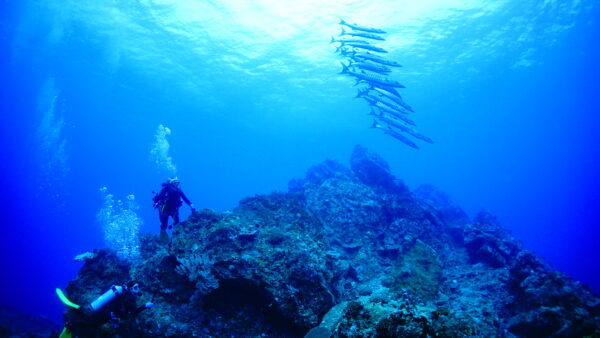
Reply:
x=65, y=300
x=164, y=236
x=66, y=333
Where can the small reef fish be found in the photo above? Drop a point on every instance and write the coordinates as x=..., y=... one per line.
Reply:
x=360, y=28
x=371, y=78
x=362, y=35
x=394, y=134
x=363, y=46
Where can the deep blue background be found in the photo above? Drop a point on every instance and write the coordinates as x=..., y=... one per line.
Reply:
x=521, y=142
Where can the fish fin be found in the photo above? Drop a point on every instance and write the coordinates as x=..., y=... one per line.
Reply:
x=344, y=68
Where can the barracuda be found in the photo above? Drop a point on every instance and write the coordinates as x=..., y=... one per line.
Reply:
x=395, y=114
x=362, y=35
x=383, y=94
x=385, y=103
x=363, y=46
x=397, y=124
x=372, y=57
x=394, y=134
x=371, y=78
x=360, y=28
x=348, y=40
x=396, y=98
x=385, y=110
x=383, y=70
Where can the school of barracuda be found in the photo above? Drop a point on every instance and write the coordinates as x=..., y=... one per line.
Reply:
x=368, y=67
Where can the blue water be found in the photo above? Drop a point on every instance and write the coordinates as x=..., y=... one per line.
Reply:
x=509, y=90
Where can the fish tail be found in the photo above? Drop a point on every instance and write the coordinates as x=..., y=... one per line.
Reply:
x=425, y=138
x=343, y=32
x=332, y=40
x=360, y=93
x=344, y=68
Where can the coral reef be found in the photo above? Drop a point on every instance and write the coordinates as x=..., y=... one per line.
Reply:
x=344, y=253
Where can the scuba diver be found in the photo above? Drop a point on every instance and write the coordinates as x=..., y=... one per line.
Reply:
x=116, y=304
x=168, y=201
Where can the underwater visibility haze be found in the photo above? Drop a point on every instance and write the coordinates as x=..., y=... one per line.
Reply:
x=102, y=101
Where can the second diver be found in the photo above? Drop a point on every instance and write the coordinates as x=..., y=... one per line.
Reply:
x=168, y=201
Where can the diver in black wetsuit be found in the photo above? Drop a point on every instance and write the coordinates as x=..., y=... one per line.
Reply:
x=116, y=304
x=168, y=201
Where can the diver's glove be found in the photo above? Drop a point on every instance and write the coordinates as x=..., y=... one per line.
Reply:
x=192, y=207
x=148, y=305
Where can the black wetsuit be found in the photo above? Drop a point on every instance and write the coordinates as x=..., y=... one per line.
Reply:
x=84, y=322
x=168, y=201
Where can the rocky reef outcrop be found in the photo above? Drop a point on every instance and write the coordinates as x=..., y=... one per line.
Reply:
x=346, y=252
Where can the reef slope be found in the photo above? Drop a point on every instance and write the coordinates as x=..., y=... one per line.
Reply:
x=346, y=252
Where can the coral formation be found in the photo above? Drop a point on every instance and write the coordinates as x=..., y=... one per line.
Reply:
x=344, y=253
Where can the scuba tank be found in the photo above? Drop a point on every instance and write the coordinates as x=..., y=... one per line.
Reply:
x=106, y=297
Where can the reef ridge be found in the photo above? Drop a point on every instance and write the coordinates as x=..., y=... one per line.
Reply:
x=345, y=252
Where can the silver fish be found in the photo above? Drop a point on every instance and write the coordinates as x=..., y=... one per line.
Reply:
x=364, y=46
x=397, y=124
x=381, y=93
x=383, y=109
x=372, y=57
x=390, y=90
x=362, y=35
x=396, y=98
x=371, y=78
x=390, y=105
x=348, y=40
x=360, y=28
x=374, y=67
x=394, y=134
x=395, y=114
